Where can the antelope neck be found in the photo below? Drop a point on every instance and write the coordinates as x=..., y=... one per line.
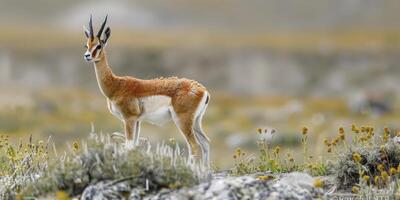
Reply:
x=105, y=77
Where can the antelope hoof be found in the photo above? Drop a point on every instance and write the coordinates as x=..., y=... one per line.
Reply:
x=130, y=144
x=117, y=136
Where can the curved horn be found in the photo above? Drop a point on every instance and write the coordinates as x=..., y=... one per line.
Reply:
x=91, y=27
x=102, y=27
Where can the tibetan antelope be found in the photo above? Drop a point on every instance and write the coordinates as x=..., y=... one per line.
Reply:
x=134, y=100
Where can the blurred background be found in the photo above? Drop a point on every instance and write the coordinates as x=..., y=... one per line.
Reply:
x=278, y=64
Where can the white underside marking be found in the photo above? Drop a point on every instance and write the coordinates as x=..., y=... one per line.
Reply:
x=156, y=109
x=115, y=111
x=202, y=105
x=200, y=135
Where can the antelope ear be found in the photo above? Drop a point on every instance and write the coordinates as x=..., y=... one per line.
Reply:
x=107, y=34
x=86, y=31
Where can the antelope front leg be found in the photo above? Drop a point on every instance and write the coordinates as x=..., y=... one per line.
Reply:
x=130, y=127
x=136, y=133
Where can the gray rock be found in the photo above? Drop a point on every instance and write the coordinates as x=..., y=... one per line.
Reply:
x=294, y=185
x=106, y=190
x=289, y=186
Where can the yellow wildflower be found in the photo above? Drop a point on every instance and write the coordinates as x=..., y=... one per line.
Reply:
x=172, y=141
x=341, y=130
x=354, y=128
x=337, y=140
x=277, y=150
x=238, y=151
x=365, y=178
x=355, y=189
x=61, y=195
x=341, y=135
x=265, y=177
x=357, y=157
x=376, y=180
x=318, y=183
x=380, y=167
x=304, y=131
x=392, y=171
x=385, y=175
x=75, y=146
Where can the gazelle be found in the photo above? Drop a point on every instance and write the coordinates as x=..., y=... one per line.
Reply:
x=134, y=100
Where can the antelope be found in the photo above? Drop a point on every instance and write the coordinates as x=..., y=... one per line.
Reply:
x=133, y=100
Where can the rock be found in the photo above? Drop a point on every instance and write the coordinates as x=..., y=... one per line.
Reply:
x=294, y=185
x=396, y=139
x=289, y=186
x=106, y=190
x=136, y=194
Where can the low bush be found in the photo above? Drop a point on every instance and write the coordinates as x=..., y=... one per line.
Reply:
x=99, y=159
x=20, y=164
x=371, y=160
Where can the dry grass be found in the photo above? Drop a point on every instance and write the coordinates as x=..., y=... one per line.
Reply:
x=349, y=40
x=28, y=170
x=65, y=114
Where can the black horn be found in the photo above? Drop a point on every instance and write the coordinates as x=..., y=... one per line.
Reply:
x=102, y=27
x=91, y=27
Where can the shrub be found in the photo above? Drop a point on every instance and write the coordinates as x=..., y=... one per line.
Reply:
x=371, y=160
x=101, y=159
x=367, y=161
x=20, y=164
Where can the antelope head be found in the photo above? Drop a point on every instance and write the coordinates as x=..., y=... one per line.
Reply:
x=95, y=44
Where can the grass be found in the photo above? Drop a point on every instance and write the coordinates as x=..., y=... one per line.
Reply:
x=346, y=40
x=364, y=162
x=372, y=160
x=20, y=164
x=269, y=158
x=95, y=160
x=306, y=140
x=61, y=114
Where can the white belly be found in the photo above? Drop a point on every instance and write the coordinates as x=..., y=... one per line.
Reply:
x=156, y=109
x=115, y=110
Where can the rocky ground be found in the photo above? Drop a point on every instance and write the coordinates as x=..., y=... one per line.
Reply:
x=294, y=185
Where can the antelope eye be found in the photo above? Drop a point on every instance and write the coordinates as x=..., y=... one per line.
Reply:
x=98, y=47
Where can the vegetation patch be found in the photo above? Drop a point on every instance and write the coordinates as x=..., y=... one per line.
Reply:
x=372, y=160
x=270, y=158
x=100, y=159
x=20, y=164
